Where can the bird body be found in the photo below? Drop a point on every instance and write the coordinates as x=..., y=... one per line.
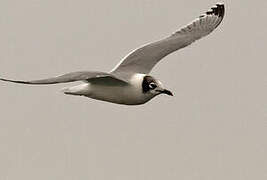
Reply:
x=128, y=94
x=129, y=82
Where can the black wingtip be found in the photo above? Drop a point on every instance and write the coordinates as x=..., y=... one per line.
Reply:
x=13, y=81
x=217, y=11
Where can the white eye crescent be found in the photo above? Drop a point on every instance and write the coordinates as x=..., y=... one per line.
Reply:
x=152, y=85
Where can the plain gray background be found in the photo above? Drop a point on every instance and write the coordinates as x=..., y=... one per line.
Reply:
x=214, y=128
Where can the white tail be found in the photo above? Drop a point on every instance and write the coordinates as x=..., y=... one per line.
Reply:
x=80, y=90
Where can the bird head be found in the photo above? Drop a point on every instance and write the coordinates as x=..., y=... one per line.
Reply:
x=154, y=87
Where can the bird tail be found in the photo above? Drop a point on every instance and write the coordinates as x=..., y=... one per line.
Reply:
x=80, y=90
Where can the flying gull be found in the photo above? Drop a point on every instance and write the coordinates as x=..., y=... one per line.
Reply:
x=129, y=82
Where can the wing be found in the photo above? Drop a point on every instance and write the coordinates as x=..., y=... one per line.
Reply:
x=71, y=77
x=143, y=59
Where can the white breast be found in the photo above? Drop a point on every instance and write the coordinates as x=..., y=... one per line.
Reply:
x=131, y=94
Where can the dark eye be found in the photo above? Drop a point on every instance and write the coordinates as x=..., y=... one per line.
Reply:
x=152, y=85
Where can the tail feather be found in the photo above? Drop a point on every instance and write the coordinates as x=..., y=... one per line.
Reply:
x=80, y=90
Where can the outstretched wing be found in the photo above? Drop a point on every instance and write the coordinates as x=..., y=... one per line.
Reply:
x=143, y=59
x=71, y=77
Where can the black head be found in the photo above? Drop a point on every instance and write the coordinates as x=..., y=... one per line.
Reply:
x=153, y=86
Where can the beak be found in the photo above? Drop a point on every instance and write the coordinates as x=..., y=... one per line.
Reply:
x=165, y=91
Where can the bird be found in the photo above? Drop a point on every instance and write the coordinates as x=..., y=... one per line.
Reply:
x=130, y=82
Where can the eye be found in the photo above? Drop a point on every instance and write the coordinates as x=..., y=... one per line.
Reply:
x=152, y=85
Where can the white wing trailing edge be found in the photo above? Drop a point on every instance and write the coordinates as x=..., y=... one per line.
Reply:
x=143, y=59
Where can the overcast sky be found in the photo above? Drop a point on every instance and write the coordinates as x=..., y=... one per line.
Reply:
x=214, y=128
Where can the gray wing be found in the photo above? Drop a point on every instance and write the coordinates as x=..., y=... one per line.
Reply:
x=143, y=59
x=71, y=77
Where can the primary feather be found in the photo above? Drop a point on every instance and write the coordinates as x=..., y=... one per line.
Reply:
x=143, y=59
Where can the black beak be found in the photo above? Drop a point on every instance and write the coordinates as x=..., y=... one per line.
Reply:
x=165, y=91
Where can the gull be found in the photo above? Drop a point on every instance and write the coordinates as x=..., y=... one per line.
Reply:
x=130, y=82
